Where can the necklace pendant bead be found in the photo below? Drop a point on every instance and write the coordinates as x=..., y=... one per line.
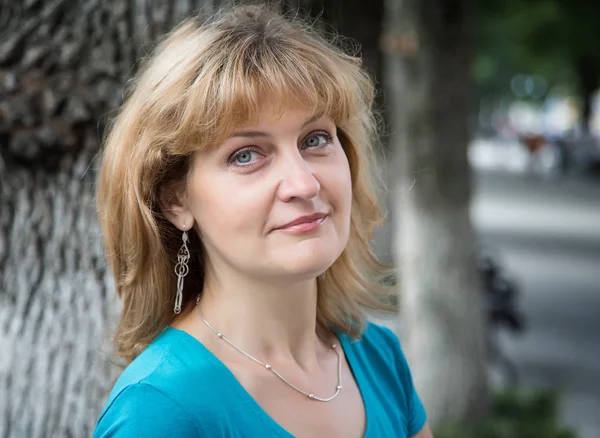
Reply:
x=334, y=346
x=219, y=335
x=311, y=396
x=339, y=387
x=267, y=366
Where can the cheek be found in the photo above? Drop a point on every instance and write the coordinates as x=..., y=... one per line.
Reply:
x=343, y=181
x=225, y=209
x=338, y=181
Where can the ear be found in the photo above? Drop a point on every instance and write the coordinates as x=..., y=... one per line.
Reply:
x=174, y=207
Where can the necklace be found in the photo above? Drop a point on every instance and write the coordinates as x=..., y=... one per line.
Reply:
x=338, y=388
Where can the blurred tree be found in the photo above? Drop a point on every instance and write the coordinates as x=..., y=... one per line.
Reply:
x=557, y=39
x=427, y=79
x=572, y=34
x=63, y=67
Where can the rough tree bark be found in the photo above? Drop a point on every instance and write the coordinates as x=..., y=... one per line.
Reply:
x=426, y=71
x=63, y=66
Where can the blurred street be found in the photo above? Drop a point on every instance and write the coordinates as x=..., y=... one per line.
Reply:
x=545, y=233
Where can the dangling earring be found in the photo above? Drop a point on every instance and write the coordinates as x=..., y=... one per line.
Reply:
x=181, y=269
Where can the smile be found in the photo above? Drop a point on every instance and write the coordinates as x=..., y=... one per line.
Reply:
x=304, y=225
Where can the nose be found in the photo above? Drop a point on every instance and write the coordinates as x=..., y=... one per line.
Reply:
x=298, y=180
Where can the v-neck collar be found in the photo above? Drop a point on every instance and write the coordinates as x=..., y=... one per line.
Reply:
x=247, y=398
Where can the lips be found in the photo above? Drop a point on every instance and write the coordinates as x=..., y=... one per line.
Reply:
x=308, y=219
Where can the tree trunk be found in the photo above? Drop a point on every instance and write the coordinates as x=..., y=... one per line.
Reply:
x=63, y=66
x=427, y=82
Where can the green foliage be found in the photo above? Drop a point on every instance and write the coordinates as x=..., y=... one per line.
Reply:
x=514, y=413
x=557, y=39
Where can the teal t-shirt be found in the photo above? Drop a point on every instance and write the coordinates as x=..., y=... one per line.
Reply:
x=178, y=388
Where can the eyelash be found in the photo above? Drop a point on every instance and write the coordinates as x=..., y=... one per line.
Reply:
x=328, y=140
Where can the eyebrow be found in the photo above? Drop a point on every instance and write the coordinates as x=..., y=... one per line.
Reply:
x=253, y=134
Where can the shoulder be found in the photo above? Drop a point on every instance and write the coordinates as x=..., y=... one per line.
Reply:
x=141, y=409
x=382, y=355
x=378, y=353
x=152, y=396
x=380, y=343
x=379, y=334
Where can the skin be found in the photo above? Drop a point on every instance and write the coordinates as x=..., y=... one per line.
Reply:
x=260, y=287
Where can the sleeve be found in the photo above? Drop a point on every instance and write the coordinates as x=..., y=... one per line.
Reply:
x=417, y=416
x=142, y=410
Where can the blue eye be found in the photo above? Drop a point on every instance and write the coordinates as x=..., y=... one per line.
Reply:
x=317, y=139
x=244, y=157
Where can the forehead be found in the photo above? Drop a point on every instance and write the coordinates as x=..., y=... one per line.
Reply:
x=268, y=116
x=259, y=104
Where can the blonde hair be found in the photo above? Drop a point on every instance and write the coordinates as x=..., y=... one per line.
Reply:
x=202, y=81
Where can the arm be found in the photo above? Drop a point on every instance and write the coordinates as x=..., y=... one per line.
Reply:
x=424, y=433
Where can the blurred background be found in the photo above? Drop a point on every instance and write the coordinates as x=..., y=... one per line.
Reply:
x=491, y=164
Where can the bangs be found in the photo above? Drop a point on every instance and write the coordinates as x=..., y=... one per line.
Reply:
x=260, y=72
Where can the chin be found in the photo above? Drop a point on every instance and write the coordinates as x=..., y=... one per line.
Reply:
x=306, y=264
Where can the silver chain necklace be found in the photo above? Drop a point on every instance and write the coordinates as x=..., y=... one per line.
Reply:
x=338, y=388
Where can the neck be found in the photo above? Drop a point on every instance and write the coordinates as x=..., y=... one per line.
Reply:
x=272, y=321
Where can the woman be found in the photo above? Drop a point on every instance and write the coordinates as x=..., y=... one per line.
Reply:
x=237, y=202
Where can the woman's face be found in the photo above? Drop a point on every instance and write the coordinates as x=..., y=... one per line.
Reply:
x=274, y=200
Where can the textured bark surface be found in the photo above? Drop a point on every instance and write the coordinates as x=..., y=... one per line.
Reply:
x=55, y=303
x=63, y=64
x=63, y=68
x=442, y=313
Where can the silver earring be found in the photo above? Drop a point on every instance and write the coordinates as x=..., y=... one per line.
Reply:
x=181, y=269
